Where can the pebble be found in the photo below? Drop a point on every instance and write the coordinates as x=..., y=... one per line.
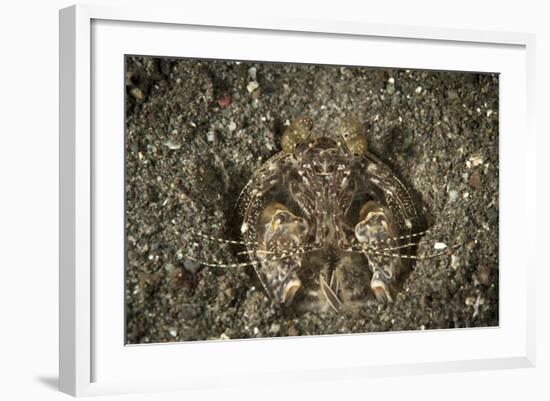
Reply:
x=275, y=328
x=440, y=246
x=418, y=89
x=173, y=332
x=476, y=306
x=225, y=101
x=484, y=274
x=252, y=86
x=230, y=293
x=137, y=93
x=452, y=94
x=453, y=195
x=475, y=160
x=474, y=180
x=455, y=262
x=232, y=126
x=292, y=331
x=171, y=144
x=210, y=136
x=252, y=73
x=191, y=266
x=390, y=86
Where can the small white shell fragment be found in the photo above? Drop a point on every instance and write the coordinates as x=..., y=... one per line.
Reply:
x=391, y=80
x=489, y=112
x=244, y=228
x=454, y=262
x=173, y=332
x=252, y=73
x=476, y=160
x=252, y=86
x=476, y=306
x=453, y=195
x=173, y=145
x=232, y=126
x=210, y=137
x=440, y=246
x=418, y=89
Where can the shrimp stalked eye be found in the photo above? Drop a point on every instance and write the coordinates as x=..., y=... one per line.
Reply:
x=354, y=139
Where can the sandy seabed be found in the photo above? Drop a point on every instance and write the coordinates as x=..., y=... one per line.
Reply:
x=196, y=130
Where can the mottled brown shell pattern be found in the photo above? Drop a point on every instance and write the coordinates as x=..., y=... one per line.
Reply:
x=320, y=206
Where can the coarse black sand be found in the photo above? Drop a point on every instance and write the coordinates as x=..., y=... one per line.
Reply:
x=197, y=129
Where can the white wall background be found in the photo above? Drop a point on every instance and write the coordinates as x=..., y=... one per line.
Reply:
x=29, y=199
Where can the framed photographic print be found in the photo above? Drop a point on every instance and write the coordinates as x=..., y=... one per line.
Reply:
x=290, y=199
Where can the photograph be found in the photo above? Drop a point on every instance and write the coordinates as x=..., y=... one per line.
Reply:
x=267, y=199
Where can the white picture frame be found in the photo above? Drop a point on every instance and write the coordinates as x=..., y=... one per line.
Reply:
x=93, y=357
